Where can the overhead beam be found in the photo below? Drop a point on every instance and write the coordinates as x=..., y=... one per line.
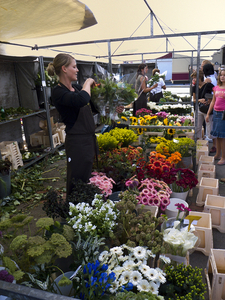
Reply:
x=171, y=35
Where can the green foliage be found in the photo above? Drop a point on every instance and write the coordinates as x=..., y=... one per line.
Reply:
x=132, y=296
x=182, y=145
x=107, y=142
x=14, y=113
x=183, y=283
x=85, y=250
x=136, y=229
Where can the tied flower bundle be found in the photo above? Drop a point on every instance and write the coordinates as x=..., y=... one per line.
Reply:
x=131, y=270
x=94, y=281
x=97, y=219
x=155, y=78
x=182, y=180
x=104, y=183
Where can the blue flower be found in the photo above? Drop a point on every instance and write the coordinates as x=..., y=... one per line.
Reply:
x=112, y=276
x=129, y=286
x=85, y=270
x=104, y=267
x=89, y=265
x=93, y=280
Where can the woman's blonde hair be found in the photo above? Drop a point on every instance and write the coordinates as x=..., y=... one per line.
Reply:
x=61, y=59
x=200, y=76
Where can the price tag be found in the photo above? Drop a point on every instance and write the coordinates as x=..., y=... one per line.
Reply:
x=195, y=222
x=43, y=83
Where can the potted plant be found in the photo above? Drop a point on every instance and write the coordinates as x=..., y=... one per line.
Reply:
x=183, y=282
x=5, y=178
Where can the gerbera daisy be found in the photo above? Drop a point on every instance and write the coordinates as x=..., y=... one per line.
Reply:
x=153, y=288
x=135, y=277
x=140, y=252
x=143, y=286
x=152, y=274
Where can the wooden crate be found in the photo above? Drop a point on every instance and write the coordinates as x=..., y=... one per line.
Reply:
x=215, y=274
x=153, y=209
x=10, y=150
x=204, y=230
x=206, y=170
x=207, y=186
x=201, y=150
x=36, y=138
x=215, y=205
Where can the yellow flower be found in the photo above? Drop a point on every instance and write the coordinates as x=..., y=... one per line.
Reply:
x=178, y=124
x=171, y=131
x=140, y=130
x=165, y=121
x=124, y=118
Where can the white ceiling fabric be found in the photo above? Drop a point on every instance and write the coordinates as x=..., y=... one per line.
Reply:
x=126, y=18
x=22, y=19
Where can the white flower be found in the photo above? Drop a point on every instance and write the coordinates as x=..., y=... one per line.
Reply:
x=161, y=278
x=128, y=265
x=165, y=259
x=135, y=277
x=125, y=276
x=143, y=286
x=152, y=274
x=116, y=250
x=144, y=269
x=153, y=288
x=140, y=252
x=103, y=256
x=114, y=287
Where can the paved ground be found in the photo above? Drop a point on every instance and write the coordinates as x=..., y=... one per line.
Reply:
x=198, y=258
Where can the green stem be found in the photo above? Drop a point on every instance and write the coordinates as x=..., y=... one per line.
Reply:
x=48, y=178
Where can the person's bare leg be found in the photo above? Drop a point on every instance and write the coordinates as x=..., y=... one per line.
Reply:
x=222, y=144
x=218, y=148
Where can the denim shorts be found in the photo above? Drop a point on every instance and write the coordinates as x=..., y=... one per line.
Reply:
x=218, y=129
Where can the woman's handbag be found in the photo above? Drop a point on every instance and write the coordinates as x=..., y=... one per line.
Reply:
x=141, y=101
x=205, y=107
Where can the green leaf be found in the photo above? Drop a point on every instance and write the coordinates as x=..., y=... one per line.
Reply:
x=16, y=202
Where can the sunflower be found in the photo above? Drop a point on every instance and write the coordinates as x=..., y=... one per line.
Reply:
x=140, y=130
x=124, y=118
x=171, y=131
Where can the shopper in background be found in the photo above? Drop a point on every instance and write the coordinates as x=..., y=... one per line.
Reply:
x=141, y=88
x=218, y=106
x=156, y=93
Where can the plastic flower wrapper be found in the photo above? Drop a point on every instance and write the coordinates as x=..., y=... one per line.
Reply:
x=131, y=269
x=108, y=95
x=97, y=219
x=178, y=240
x=104, y=183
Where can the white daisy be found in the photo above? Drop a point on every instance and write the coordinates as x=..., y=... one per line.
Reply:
x=123, y=258
x=140, y=252
x=161, y=278
x=128, y=265
x=103, y=255
x=144, y=269
x=165, y=259
x=160, y=271
x=116, y=250
x=153, y=288
x=135, y=277
x=132, y=256
x=114, y=287
x=118, y=270
x=143, y=286
x=126, y=276
x=152, y=274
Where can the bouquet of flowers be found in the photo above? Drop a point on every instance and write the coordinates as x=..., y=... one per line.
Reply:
x=107, y=95
x=178, y=240
x=97, y=219
x=155, y=78
x=104, y=183
x=130, y=266
x=184, y=180
x=93, y=281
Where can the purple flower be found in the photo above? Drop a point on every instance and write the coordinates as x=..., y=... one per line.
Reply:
x=5, y=276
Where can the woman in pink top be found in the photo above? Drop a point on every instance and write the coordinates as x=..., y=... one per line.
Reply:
x=218, y=106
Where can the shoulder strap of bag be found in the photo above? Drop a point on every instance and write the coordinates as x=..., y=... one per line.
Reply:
x=140, y=87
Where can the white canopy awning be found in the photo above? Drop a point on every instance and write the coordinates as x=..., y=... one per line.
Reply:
x=22, y=19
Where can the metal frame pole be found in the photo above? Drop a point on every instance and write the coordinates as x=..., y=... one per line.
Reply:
x=42, y=71
x=110, y=58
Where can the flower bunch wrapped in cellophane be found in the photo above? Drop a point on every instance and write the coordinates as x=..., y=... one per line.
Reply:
x=155, y=78
x=108, y=95
x=178, y=240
